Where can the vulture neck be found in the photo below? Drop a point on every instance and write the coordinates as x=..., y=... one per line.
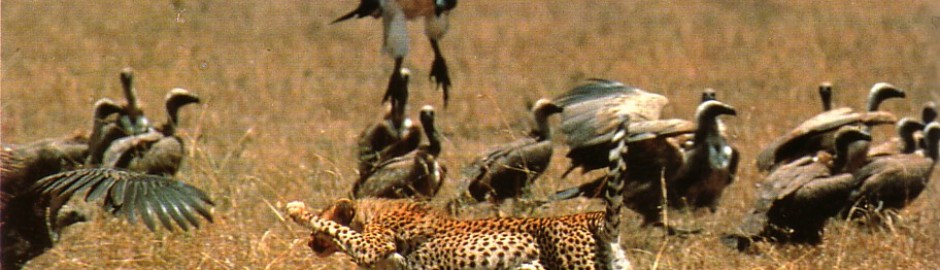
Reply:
x=826, y=97
x=542, y=131
x=434, y=139
x=133, y=109
x=172, y=112
x=850, y=156
x=397, y=114
x=908, y=142
x=707, y=129
x=874, y=101
x=932, y=141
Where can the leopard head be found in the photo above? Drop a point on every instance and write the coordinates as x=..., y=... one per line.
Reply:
x=341, y=211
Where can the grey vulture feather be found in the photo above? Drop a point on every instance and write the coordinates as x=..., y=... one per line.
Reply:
x=795, y=200
x=24, y=164
x=133, y=195
x=417, y=174
x=592, y=111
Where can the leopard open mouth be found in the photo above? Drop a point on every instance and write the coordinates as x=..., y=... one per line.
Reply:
x=322, y=244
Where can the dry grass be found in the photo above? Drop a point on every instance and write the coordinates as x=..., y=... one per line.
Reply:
x=286, y=94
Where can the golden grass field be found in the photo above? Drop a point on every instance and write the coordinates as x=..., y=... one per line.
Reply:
x=285, y=95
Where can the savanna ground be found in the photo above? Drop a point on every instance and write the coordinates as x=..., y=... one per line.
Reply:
x=285, y=95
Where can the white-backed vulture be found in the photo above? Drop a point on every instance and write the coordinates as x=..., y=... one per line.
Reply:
x=797, y=199
x=417, y=174
x=159, y=151
x=709, y=166
x=23, y=224
x=904, y=143
x=817, y=133
x=891, y=182
x=104, y=130
x=508, y=171
x=880, y=92
x=23, y=165
x=591, y=112
x=395, y=15
x=22, y=221
x=32, y=221
x=396, y=135
x=694, y=178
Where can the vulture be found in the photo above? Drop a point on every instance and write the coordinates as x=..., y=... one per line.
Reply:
x=23, y=231
x=685, y=141
x=796, y=199
x=395, y=14
x=892, y=182
x=592, y=111
x=817, y=132
x=25, y=164
x=589, y=113
x=130, y=121
x=396, y=135
x=880, y=92
x=904, y=143
x=159, y=151
x=694, y=178
x=23, y=223
x=28, y=229
x=417, y=174
x=709, y=166
x=507, y=171
x=27, y=232
x=104, y=131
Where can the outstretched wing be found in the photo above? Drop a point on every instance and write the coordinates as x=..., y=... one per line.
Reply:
x=132, y=194
x=816, y=133
x=593, y=109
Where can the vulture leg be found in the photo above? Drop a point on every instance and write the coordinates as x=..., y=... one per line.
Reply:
x=439, y=71
x=397, y=86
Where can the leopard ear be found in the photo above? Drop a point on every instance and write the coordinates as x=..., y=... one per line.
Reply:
x=343, y=211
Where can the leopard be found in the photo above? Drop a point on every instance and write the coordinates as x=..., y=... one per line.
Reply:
x=406, y=234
